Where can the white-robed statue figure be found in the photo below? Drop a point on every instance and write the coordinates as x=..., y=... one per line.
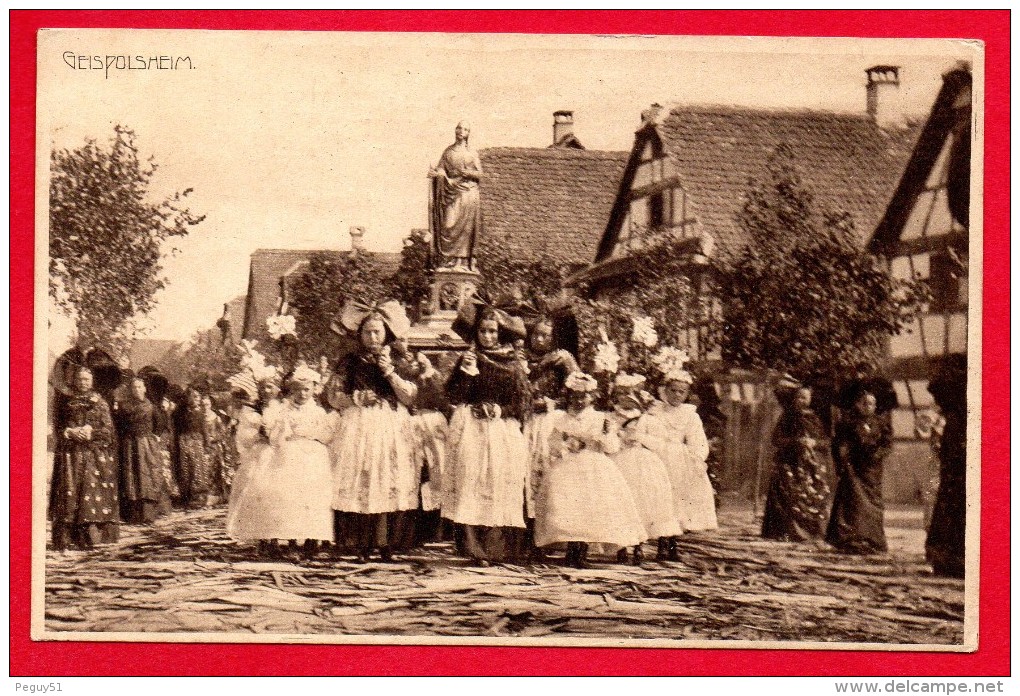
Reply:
x=456, y=215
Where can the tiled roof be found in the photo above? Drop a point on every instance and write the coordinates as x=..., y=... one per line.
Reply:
x=553, y=201
x=847, y=162
x=269, y=265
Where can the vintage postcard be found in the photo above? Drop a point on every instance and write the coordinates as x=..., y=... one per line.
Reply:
x=526, y=340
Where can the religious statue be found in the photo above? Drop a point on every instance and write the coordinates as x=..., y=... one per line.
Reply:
x=455, y=204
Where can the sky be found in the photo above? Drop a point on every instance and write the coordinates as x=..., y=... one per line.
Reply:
x=290, y=138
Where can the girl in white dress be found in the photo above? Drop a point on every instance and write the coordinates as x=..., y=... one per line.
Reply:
x=684, y=449
x=294, y=490
x=641, y=438
x=248, y=493
x=584, y=499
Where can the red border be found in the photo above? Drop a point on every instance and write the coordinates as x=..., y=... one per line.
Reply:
x=66, y=659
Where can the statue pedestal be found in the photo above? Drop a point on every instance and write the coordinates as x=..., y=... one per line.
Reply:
x=451, y=287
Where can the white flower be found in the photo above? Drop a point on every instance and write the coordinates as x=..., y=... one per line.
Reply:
x=607, y=359
x=670, y=359
x=280, y=325
x=644, y=332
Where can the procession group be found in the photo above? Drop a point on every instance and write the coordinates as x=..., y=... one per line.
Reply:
x=514, y=454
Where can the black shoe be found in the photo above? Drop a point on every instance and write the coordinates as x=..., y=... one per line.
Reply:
x=386, y=554
x=638, y=557
x=581, y=557
x=674, y=551
x=621, y=556
x=660, y=552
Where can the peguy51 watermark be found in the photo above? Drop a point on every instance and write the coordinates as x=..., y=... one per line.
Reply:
x=47, y=688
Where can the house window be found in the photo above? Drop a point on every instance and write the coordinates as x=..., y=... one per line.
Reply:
x=948, y=280
x=656, y=210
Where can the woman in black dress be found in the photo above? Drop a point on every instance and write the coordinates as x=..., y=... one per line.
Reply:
x=83, y=495
x=944, y=547
x=143, y=489
x=797, y=505
x=862, y=440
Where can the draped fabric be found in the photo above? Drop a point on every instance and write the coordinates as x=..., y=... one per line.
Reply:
x=684, y=450
x=797, y=507
x=647, y=475
x=583, y=496
x=457, y=202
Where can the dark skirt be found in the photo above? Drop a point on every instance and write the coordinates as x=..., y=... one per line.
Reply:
x=856, y=524
x=945, y=545
x=144, y=493
x=797, y=504
x=361, y=532
x=197, y=472
x=84, y=536
x=497, y=544
x=83, y=496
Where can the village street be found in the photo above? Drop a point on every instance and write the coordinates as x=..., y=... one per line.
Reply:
x=183, y=575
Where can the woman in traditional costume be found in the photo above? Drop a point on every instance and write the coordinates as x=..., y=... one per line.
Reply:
x=684, y=449
x=548, y=368
x=584, y=499
x=195, y=465
x=797, y=504
x=144, y=494
x=487, y=463
x=375, y=479
x=253, y=495
x=83, y=502
x=862, y=440
x=641, y=437
x=945, y=545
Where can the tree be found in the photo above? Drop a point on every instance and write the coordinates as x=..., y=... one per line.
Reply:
x=204, y=359
x=803, y=297
x=318, y=296
x=410, y=284
x=506, y=275
x=106, y=236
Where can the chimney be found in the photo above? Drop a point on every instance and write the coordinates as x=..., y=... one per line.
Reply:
x=563, y=125
x=357, y=238
x=884, y=95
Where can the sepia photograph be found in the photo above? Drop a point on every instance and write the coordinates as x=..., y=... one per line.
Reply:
x=507, y=339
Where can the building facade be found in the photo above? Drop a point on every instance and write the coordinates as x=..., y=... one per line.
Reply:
x=925, y=234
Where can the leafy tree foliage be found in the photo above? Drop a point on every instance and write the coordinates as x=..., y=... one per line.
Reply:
x=802, y=296
x=318, y=296
x=206, y=359
x=106, y=236
x=410, y=283
x=506, y=275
